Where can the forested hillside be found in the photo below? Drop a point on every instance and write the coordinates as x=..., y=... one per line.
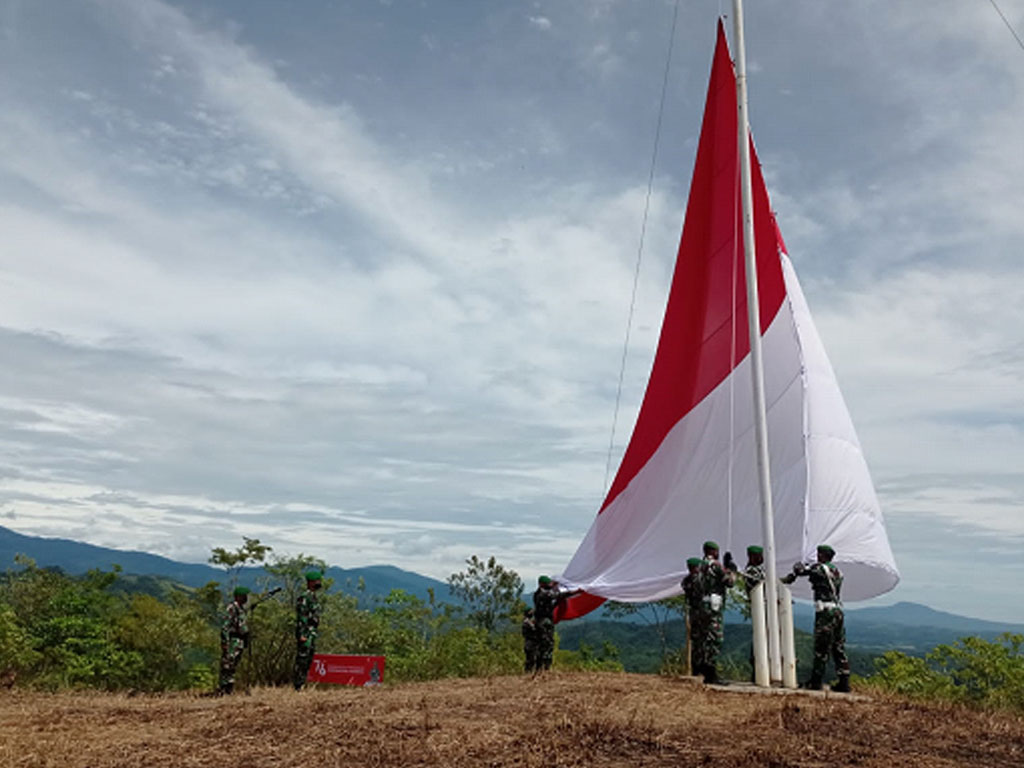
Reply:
x=639, y=647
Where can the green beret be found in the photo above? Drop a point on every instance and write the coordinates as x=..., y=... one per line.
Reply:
x=239, y=591
x=314, y=575
x=826, y=549
x=690, y=561
x=710, y=545
x=543, y=579
x=754, y=549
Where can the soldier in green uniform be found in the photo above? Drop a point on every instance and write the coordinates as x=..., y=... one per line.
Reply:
x=307, y=626
x=693, y=590
x=545, y=599
x=234, y=636
x=753, y=572
x=716, y=580
x=529, y=629
x=829, y=632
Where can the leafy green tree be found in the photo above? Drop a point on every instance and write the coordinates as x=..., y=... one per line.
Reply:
x=982, y=673
x=210, y=600
x=425, y=641
x=58, y=631
x=491, y=593
x=17, y=651
x=897, y=672
x=251, y=552
x=71, y=626
x=175, y=640
x=989, y=673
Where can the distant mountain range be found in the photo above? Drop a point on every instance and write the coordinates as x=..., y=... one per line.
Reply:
x=75, y=557
x=910, y=627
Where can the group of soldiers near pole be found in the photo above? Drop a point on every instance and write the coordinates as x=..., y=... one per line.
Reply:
x=234, y=633
x=705, y=586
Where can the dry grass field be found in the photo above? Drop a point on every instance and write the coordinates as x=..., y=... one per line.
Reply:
x=564, y=720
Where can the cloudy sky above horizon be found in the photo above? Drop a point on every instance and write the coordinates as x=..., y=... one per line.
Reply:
x=354, y=277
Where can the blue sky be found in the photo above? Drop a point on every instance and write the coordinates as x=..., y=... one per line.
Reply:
x=353, y=277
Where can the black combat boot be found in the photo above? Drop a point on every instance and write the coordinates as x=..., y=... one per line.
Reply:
x=711, y=675
x=814, y=684
x=843, y=686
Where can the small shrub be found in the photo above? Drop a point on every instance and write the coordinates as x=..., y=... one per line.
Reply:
x=982, y=673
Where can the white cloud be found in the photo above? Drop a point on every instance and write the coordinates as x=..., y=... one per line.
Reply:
x=380, y=310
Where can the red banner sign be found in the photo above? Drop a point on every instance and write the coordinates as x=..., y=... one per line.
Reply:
x=342, y=669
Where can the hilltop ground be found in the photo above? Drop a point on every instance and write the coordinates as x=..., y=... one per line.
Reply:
x=594, y=720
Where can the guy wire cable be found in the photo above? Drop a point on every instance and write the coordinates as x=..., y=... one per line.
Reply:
x=1008, y=25
x=640, y=247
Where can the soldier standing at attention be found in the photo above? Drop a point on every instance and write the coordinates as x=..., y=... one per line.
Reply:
x=716, y=581
x=234, y=636
x=829, y=632
x=307, y=626
x=693, y=589
x=545, y=599
x=529, y=641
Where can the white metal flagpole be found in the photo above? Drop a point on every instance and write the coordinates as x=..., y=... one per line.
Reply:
x=757, y=364
x=788, y=643
x=761, y=677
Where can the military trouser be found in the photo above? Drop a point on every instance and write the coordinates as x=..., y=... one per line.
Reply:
x=230, y=656
x=303, y=659
x=545, y=644
x=530, y=651
x=706, y=637
x=829, y=640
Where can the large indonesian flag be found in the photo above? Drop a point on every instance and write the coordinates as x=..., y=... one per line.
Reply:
x=689, y=472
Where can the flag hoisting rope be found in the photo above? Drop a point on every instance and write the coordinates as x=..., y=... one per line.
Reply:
x=640, y=246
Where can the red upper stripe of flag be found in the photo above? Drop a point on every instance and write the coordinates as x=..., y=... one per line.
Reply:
x=706, y=316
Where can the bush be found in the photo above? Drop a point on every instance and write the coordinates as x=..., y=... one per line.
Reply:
x=587, y=659
x=17, y=651
x=100, y=631
x=172, y=638
x=971, y=670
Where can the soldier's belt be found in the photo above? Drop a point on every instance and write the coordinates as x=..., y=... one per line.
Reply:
x=714, y=600
x=825, y=605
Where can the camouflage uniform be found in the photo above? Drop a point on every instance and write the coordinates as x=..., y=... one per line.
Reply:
x=234, y=635
x=752, y=576
x=530, y=644
x=715, y=581
x=307, y=627
x=829, y=631
x=545, y=600
x=693, y=589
